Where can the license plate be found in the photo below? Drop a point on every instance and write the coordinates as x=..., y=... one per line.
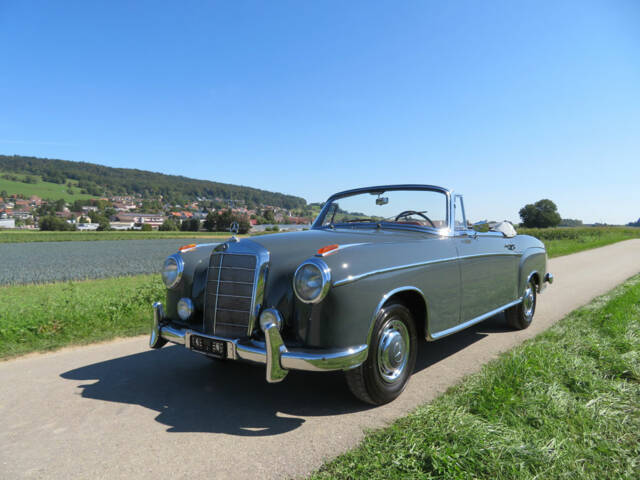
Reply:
x=217, y=348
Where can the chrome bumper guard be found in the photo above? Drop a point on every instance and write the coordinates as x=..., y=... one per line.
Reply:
x=548, y=278
x=273, y=352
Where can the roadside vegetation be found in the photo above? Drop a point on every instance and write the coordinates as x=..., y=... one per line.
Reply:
x=563, y=241
x=45, y=317
x=565, y=404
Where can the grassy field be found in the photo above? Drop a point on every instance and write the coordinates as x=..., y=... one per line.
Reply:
x=53, y=191
x=25, y=236
x=563, y=241
x=563, y=405
x=37, y=262
x=44, y=317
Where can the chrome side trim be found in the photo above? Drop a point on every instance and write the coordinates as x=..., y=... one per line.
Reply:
x=473, y=321
x=353, y=278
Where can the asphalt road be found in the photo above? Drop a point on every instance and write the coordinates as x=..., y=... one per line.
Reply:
x=119, y=410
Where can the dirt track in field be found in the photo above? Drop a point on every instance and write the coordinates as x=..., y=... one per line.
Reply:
x=119, y=410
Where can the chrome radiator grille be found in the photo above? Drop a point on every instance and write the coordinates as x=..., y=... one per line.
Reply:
x=229, y=301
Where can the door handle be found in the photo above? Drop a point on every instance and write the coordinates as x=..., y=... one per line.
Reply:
x=510, y=246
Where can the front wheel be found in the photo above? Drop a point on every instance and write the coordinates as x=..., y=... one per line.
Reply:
x=392, y=357
x=521, y=316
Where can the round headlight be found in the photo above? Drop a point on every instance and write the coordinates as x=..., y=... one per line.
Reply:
x=312, y=280
x=270, y=316
x=185, y=308
x=172, y=270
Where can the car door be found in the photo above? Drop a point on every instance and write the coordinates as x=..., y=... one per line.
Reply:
x=488, y=268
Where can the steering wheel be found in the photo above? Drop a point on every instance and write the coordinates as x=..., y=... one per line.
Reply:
x=406, y=213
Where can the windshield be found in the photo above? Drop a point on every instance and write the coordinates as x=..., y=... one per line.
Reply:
x=419, y=208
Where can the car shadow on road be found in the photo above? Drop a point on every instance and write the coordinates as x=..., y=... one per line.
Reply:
x=192, y=393
x=430, y=353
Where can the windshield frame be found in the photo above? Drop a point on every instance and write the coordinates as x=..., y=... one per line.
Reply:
x=317, y=224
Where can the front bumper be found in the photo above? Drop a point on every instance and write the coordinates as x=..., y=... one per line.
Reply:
x=273, y=352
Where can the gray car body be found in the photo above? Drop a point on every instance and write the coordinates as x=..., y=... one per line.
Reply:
x=448, y=279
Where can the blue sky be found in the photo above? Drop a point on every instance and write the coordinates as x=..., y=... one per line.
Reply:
x=506, y=102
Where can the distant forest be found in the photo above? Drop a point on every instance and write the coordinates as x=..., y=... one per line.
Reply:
x=99, y=180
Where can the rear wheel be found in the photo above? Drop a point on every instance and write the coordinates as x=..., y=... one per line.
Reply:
x=521, y=316
x=392, y=357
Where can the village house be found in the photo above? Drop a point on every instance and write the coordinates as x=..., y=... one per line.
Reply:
x=87, y=226
x=181, y=215
x=126, y=199
x=22, y=214
x=153, y=219
x=124, y=206
x=121, y=225
x=80, y=217
x=7, y=223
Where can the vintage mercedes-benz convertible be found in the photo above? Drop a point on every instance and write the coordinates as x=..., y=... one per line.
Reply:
x=380, y=269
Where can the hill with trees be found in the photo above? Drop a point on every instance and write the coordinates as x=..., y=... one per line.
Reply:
x=99, y=180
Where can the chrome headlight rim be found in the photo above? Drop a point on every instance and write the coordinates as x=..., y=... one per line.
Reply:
x=325, y=273
x=179, y=269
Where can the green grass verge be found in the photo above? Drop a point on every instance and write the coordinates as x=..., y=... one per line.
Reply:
x=26, y=236
x=563, y=405
x=53, y=191
x=44, y=317
x=563, y=241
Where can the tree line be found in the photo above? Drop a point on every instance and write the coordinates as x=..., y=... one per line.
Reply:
x=218, y=221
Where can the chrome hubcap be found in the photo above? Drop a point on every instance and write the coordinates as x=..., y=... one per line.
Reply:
x=529, y=302
x=393, y=351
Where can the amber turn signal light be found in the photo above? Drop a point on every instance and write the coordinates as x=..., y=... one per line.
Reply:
x=327, y=249
x=184, y=248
